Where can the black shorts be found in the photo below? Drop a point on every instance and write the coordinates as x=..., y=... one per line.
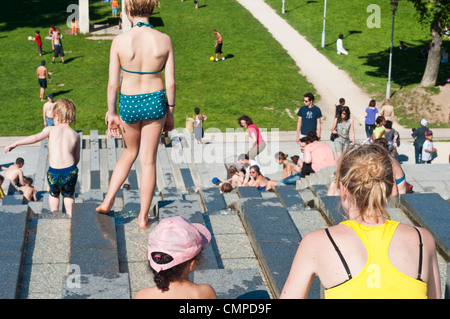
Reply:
x=219, y=48
x=43, y=83
x=58, y=51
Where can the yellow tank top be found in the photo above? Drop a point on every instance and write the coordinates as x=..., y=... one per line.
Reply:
x=379, y=279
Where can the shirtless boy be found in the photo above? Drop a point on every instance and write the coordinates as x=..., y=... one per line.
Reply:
x=47, y=111
x=63, y=154
x=42, y=75
x=28, y=191
x=14, y=172
x=218, y=45
x=57, y=46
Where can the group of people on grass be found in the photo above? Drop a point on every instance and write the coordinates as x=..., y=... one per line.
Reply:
x=57, y=48
x=367, y=256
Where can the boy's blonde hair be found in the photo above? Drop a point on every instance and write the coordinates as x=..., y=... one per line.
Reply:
x=140, y=8
x=65, y=110
x=366, y=171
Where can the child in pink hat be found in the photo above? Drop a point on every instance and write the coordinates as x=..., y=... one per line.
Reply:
x=174, y=247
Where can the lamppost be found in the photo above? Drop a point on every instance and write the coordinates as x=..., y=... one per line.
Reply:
x=394, y=4
x=324, y=18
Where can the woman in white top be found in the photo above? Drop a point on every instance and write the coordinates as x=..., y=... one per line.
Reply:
x=339, y=46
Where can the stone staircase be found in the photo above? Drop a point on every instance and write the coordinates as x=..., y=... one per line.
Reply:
x=254, y=235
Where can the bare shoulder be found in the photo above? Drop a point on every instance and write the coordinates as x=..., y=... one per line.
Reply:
x=120, y=40
x=163, y=37
x=407, y=232
x=317, y=242
x=145, y=293
x=205, y=291
x=314, y=241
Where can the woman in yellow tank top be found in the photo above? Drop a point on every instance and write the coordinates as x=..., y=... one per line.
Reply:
x=369, y=255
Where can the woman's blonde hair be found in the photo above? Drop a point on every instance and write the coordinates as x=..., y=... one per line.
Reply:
x=140, y=8
x=366, y=171
x=65, y=110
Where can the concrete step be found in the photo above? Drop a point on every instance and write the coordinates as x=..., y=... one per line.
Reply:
x=13, y=227
x=251, y=230
x=94, y=255
x=46, y=257
x=273, y=236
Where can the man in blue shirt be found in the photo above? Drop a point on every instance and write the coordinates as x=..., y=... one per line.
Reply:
x=309, y=117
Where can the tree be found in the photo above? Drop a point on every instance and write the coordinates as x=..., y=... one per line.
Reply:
x=433, y=14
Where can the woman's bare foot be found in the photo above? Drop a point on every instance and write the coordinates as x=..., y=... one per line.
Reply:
x=104, y=208
x=143, y=221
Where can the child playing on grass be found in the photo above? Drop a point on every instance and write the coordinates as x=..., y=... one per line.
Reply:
x=28, y=191
x=42, y=75
x=38, y=40
x=63, y=154
x=428, y=151
x=173, y=252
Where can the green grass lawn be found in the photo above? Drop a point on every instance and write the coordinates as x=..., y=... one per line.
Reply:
x=369, y=48
x=258, y=78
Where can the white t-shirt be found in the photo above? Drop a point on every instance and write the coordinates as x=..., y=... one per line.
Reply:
x=427, y=145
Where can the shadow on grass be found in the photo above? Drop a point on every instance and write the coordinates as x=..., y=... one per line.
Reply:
x=345, y=36
x=55, y=94
x=407, y=66
x=71, y=59
x=39, y=14
x=299, y=6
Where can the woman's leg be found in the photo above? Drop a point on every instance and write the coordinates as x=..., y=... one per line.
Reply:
x=132, y=137
x=150, y=133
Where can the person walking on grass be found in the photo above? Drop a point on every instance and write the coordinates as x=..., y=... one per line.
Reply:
x=57, y=46
x=42, y=75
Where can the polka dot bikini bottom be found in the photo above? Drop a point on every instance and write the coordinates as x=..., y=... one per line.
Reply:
x=139, y=107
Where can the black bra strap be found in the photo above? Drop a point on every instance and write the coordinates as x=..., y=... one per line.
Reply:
x=340, y=255
x=420, y=256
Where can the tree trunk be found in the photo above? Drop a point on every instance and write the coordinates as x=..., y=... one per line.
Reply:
x=434, y=56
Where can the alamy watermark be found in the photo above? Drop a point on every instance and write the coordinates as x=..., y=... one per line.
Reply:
x=225, y=147
x=73, y=280
x=373, y=20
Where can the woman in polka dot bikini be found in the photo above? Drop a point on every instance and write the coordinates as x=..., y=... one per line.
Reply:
x=140, y=55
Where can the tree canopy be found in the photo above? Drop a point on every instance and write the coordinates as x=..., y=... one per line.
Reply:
x=435, y=15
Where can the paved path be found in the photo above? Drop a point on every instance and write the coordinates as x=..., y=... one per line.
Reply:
x=330, y=82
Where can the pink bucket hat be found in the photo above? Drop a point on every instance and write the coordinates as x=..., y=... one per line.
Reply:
x=178, y=238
